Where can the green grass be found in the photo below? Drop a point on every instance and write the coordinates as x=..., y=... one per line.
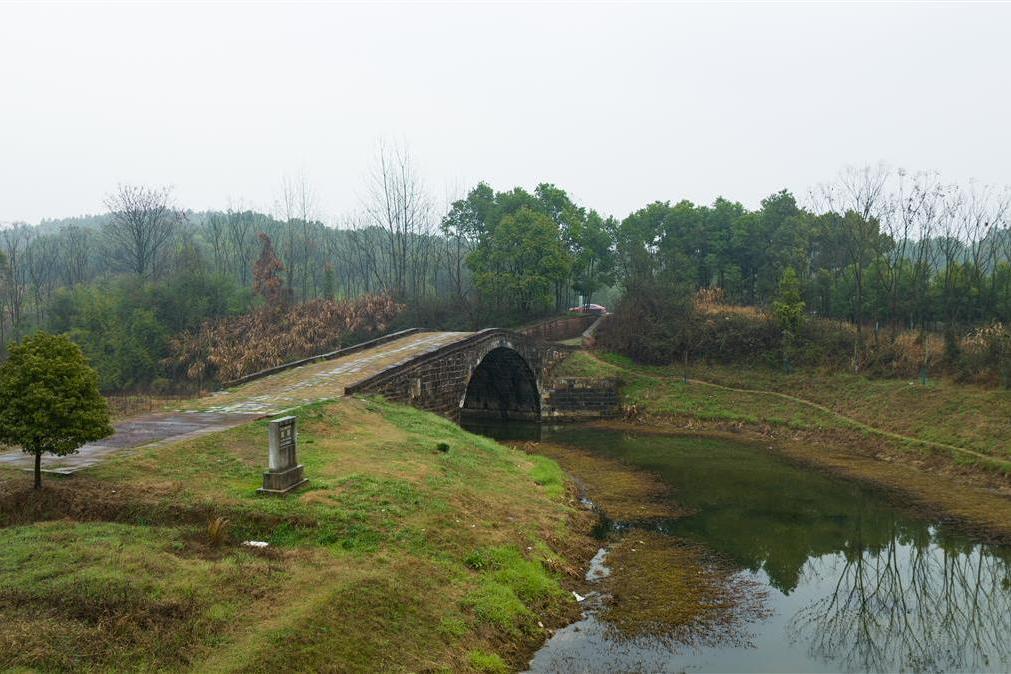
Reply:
x=510, y=584
x=488, y=662
x=367, y=568
x=77, y=594
x=662, y=391
x=549, y=475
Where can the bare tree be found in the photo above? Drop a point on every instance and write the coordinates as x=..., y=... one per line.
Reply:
x=241, y=239
x=298, y=210
x=398, y=205
x=15, y=239
x=75, y=253
x=215, y=231
x=143, y=221
x=983, y=214
x=42, y=257
x=951, y=251
x=911, y=206
x=859, y=195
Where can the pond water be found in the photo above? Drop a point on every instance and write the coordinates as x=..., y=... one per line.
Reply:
x=852, y=582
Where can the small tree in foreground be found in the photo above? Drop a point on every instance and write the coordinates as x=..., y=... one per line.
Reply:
x=49, y=399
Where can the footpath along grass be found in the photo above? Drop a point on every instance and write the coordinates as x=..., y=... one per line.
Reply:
x=970, y=423
x=418, y=547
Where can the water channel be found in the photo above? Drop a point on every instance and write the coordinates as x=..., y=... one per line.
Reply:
x=849, y=581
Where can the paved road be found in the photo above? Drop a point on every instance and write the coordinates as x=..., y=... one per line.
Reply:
x=262, y=397
x=149, y=429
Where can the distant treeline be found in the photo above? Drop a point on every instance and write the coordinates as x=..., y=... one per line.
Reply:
x=875, y=246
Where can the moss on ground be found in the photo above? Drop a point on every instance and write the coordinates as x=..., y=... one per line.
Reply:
x=366, y=569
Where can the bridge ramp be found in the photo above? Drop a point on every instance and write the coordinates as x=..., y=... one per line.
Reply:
x=324, y=379
x=271, y=394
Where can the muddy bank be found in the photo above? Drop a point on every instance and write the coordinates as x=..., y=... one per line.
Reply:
x=645, y=584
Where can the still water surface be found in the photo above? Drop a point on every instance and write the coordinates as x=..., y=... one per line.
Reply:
x=853, y=583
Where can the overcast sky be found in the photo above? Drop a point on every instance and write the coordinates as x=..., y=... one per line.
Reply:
x=618, y=104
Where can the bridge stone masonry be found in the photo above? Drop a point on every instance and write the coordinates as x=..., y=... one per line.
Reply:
x=494, y=373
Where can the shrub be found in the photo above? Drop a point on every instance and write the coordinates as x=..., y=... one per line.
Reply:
x=985, y=354
x=654, y=322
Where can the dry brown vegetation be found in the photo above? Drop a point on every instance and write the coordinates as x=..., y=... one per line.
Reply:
x=678, y=592
x=229, y=348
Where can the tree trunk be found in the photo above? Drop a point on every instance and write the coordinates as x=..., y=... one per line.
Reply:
x=38, y=469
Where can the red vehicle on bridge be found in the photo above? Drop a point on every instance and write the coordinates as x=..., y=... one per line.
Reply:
x=589, y=309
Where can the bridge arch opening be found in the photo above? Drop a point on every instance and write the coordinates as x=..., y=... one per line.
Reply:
x=502, y=386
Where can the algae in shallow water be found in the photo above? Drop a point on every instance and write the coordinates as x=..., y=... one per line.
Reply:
x=677, y=592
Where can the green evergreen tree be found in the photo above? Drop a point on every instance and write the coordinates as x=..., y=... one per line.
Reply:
x=49, y=399
x=789, y=310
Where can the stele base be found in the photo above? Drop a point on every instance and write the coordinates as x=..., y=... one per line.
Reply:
x=283, y=482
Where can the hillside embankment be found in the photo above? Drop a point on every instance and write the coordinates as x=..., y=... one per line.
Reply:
x=417, y=547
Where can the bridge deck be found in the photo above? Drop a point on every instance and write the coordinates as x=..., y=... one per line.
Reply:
x=322, y=380
x=268, y=395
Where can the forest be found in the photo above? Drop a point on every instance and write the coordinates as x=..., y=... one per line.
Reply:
x=161, y=297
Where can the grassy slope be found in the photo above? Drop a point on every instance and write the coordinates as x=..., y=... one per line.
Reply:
x=399, y=557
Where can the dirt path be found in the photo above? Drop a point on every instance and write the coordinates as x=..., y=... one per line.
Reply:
x=263, y=397
x=855, y=422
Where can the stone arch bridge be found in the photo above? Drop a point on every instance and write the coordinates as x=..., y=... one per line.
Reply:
x=493, y=372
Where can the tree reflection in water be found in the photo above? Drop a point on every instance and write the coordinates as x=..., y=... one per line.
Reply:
x=855, y=582
x=926, y=605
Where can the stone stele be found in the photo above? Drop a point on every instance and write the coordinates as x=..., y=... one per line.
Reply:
x=284, y=472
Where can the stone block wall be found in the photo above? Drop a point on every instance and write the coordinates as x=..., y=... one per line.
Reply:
x=438, y=380
x=559, y=329
x=434, y=385
x=574, y=398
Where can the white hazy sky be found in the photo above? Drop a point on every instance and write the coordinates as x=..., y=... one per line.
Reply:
x=619, y=104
